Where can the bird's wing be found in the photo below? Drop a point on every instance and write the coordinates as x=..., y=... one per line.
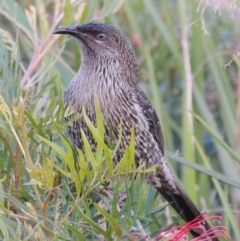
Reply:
x=151, y=116
x=179, y=201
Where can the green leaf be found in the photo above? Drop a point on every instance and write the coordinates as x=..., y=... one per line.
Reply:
x=200, y=168
x=100, y=142
x=67, y=15
x=55, y=147
x=217, y=138
x=112, y=222
x=131, y=155
x=77, y=233
x=3, y=228
x=88, y=150
x=84, y=169
x=90, y=222
x=85, y=13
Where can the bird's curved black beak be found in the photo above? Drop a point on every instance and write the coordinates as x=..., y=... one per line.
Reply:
x=71, y=30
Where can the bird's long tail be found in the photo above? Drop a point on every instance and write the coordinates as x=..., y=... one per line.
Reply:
x=185, y=207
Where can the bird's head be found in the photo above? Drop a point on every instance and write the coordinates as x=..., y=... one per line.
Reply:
x=103, y=43
x=98, y=39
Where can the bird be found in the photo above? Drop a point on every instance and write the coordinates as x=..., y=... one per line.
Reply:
x=109, y=71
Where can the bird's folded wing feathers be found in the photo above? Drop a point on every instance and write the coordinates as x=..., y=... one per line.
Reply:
x=152, y=118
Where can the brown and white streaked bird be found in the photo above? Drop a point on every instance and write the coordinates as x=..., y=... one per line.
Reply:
x=109, y=70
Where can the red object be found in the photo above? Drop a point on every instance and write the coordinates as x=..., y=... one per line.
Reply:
x=179, y=233
x=136, y=40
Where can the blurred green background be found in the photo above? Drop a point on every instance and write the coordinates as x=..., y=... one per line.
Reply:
x=188, y=56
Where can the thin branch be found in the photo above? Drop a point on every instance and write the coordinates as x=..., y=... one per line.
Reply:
x=37, y=56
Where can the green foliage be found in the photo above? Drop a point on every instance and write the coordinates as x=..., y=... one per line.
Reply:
x=188, y=63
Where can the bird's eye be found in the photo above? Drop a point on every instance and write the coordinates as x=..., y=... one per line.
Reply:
x=101, y=36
